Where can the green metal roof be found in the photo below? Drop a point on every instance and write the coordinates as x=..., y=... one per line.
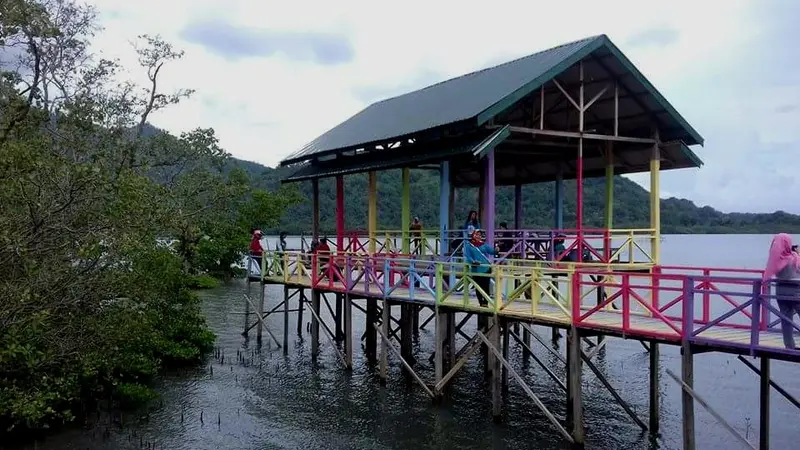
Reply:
x=473, y=99
x=475, y=147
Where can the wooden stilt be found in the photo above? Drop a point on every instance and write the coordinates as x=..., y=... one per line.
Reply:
x=439, y=350
x=415, y=319
x=504, y=330
x=301, y=300
x=286, y=319
x=574, y=375
x=654, y=388
x=348, y=331
x=451, y=340
x=247, y=311
x=260, y=314
x=337, y=319
x=314, y=323
x=687, y=401
x=496, y=370
x=385, y=321
x=763, y=437
x=406, y=331
x=372, y=336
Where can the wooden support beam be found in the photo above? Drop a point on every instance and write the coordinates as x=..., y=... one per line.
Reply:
x=611, y=390
x=655, y=388
x=574, y=387
x=687, y=390
x=260, y=319
x=386, y=344
x=260, y=312
x=488, y=343
x=300, y=305
x=763, y=420
x=348, y=331
x=330, y=336
x=372, y=336
x=496, y=368
x=687, y=399
x=772, y=383
x=529, y=353
x=385, y=314
x=286, y=297
x=578, y=135
x=315, y=304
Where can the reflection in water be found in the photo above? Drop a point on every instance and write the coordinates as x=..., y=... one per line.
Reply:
x=251, y=396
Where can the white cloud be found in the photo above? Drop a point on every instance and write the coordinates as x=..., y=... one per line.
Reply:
x=264, y=108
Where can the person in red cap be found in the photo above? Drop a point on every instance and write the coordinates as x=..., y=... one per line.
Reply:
x=256, y=250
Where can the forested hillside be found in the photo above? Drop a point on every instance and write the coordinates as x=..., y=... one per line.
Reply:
x=631, y=205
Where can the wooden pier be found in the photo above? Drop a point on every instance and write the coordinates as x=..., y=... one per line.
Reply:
x=575, y=111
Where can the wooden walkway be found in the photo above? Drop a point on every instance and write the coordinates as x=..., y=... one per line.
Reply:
x=547, y=313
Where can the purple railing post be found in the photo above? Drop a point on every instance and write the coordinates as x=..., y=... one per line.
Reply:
x=412, y=279
x=756, y=318
x=688, y=308
x=348, y=278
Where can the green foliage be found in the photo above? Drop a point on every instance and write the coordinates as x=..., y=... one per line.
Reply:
x=94, y=302
x=631, y=205
x=202, y=281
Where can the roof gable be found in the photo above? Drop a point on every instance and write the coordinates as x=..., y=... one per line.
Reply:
x=478, y=96
x=447, y=102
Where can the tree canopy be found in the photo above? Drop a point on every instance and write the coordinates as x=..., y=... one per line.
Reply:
x=94, y=303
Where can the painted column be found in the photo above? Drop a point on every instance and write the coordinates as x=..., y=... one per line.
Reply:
x=339, y=213
x=445, y=196
x=518, y=207
x=579, y=175
x=655, y=203
x=609, y=218
x=315, y=209
x=487, y=204
x=372, y=212
x=405, y=210
x=558, y=201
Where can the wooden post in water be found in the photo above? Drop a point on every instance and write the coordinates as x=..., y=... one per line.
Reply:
x=687, y=401
x=286, y=318
x=247, y=311
x=451, y=340
x=301, y=300
x=763, y=438
x=505, y=335
x=654, y=388
x=348, y=331
x=372, y=334
x=315, y=323
x=440, y=358
x=496, y=370
x=406, y=332
x=260, y=313
x=574, y=394
x=386, y=326
x=338, y=329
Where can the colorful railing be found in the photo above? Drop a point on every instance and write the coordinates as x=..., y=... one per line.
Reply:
x=705, y=306
x=623, y=246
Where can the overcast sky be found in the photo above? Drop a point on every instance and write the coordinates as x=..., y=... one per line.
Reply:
x=271, y=76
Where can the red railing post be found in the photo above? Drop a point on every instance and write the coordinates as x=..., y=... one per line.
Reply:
x=607, y=245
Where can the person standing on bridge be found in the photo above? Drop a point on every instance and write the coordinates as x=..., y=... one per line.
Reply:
x=476, y=253
x=256, y=249
x=783, y=264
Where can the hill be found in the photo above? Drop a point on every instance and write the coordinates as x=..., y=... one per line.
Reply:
x=631, y=205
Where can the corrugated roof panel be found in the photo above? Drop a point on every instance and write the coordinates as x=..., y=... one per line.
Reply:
x=443, y=103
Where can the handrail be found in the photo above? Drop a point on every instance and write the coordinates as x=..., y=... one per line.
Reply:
x=674, y=303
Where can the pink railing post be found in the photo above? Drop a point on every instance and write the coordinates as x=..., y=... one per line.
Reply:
x=656, y=283
x=576, y=298
x=706, y=286
x=626, y=303
x=606, y=245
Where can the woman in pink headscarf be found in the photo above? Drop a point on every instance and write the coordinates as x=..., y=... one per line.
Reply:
x=783, y=264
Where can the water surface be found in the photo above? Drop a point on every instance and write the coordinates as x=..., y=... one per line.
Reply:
x=262, y=398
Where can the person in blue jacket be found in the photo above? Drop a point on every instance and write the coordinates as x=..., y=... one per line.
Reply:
x=476, y=254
